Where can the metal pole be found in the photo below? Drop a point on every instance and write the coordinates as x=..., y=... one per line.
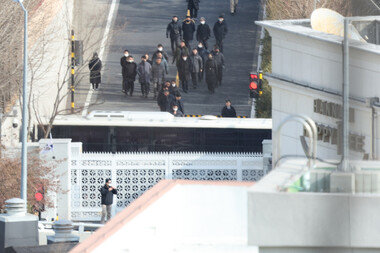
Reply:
x=72, y=70
x=24, y=168
x=345, y=93
x=315, y=4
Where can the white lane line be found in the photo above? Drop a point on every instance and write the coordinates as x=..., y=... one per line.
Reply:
x=113, y=8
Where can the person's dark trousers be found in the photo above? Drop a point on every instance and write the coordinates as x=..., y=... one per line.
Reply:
x=219, y=76
x=145, y=89
x=174, y=43
x=204, y=42
x=130, y=87
x=185, y=86
x=195, y=79
x=125, y=85
x=95, y=85
x=187, y=43
x=193, y=12
x=220, y=44
x=200, y=76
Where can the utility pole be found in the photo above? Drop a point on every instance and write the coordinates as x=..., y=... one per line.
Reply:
x=345, y=95
x=72, y=70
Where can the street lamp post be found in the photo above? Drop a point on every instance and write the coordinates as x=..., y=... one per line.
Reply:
x=24, y=168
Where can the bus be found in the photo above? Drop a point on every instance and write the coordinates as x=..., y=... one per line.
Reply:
x=124, y=131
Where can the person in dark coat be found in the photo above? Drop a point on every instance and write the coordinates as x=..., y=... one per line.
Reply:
x=123, y=61
x=188, y=29
x=160, y=49
x=228, y=111
x=196, y=67
x=173, y=88
x=193, y=6
x=210, y=71
x=219, y=59
x=130, y=75
x=174, y=29
x=144, y=71
x=178, y=102
x=107, y=192
x=95, y=67
x=220, y=31
x=203, y=53
x=158, y=76
x=181, y=50
x=164, y=100
x=203, y=32
x=184, y=72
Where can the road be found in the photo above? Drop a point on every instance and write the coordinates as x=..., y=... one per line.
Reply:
x=140, y=25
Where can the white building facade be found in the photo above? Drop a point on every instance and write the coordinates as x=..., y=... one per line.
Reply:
x=307, y=78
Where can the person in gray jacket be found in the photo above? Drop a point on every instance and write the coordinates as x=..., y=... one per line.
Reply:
x=158, y=76
x=163, y=61
x=196, y=67
x=144, y=70
x=219, y=60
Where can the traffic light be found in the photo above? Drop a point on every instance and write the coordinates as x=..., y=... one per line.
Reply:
x=253, y=86
x=39, y=197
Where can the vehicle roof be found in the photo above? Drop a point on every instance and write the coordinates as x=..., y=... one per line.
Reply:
x=159, y=119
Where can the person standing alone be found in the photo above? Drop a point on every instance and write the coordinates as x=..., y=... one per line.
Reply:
x=95, y=67
x=107, y=192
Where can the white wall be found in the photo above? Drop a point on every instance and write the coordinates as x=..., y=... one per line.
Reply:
x=297, y=56
x=186, y=215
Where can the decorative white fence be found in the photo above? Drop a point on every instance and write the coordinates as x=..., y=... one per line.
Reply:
x=134, y=173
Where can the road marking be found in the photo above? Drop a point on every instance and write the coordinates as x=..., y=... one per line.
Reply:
x=113, y=8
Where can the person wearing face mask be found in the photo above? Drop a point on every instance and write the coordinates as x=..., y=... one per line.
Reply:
x=178, y=102
x=144, y=71
x=211, y=70
x=130, y=75
x=173, y=88
x=233, y=6
x=160, y=49
x=203, y=32
x=175, y=31
x=181, y=50
x=176, y=112
x=184, y=72
x=188, y=28
x=123, y=62
x=219, y=60
x=193, y=6
x=203, y=53
x=220, y=31
x=196, y=67
x=228, y=111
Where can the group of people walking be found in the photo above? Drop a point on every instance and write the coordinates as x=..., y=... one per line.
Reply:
x=194, y=64
x=198, y=62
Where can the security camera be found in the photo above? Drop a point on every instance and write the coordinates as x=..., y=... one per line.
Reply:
x=14, y=123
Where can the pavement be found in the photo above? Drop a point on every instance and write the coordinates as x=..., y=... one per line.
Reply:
x=139, y=25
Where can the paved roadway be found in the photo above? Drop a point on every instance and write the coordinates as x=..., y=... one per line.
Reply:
x=140, y=25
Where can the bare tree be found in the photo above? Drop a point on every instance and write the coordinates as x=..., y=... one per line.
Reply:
x=40, y=175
